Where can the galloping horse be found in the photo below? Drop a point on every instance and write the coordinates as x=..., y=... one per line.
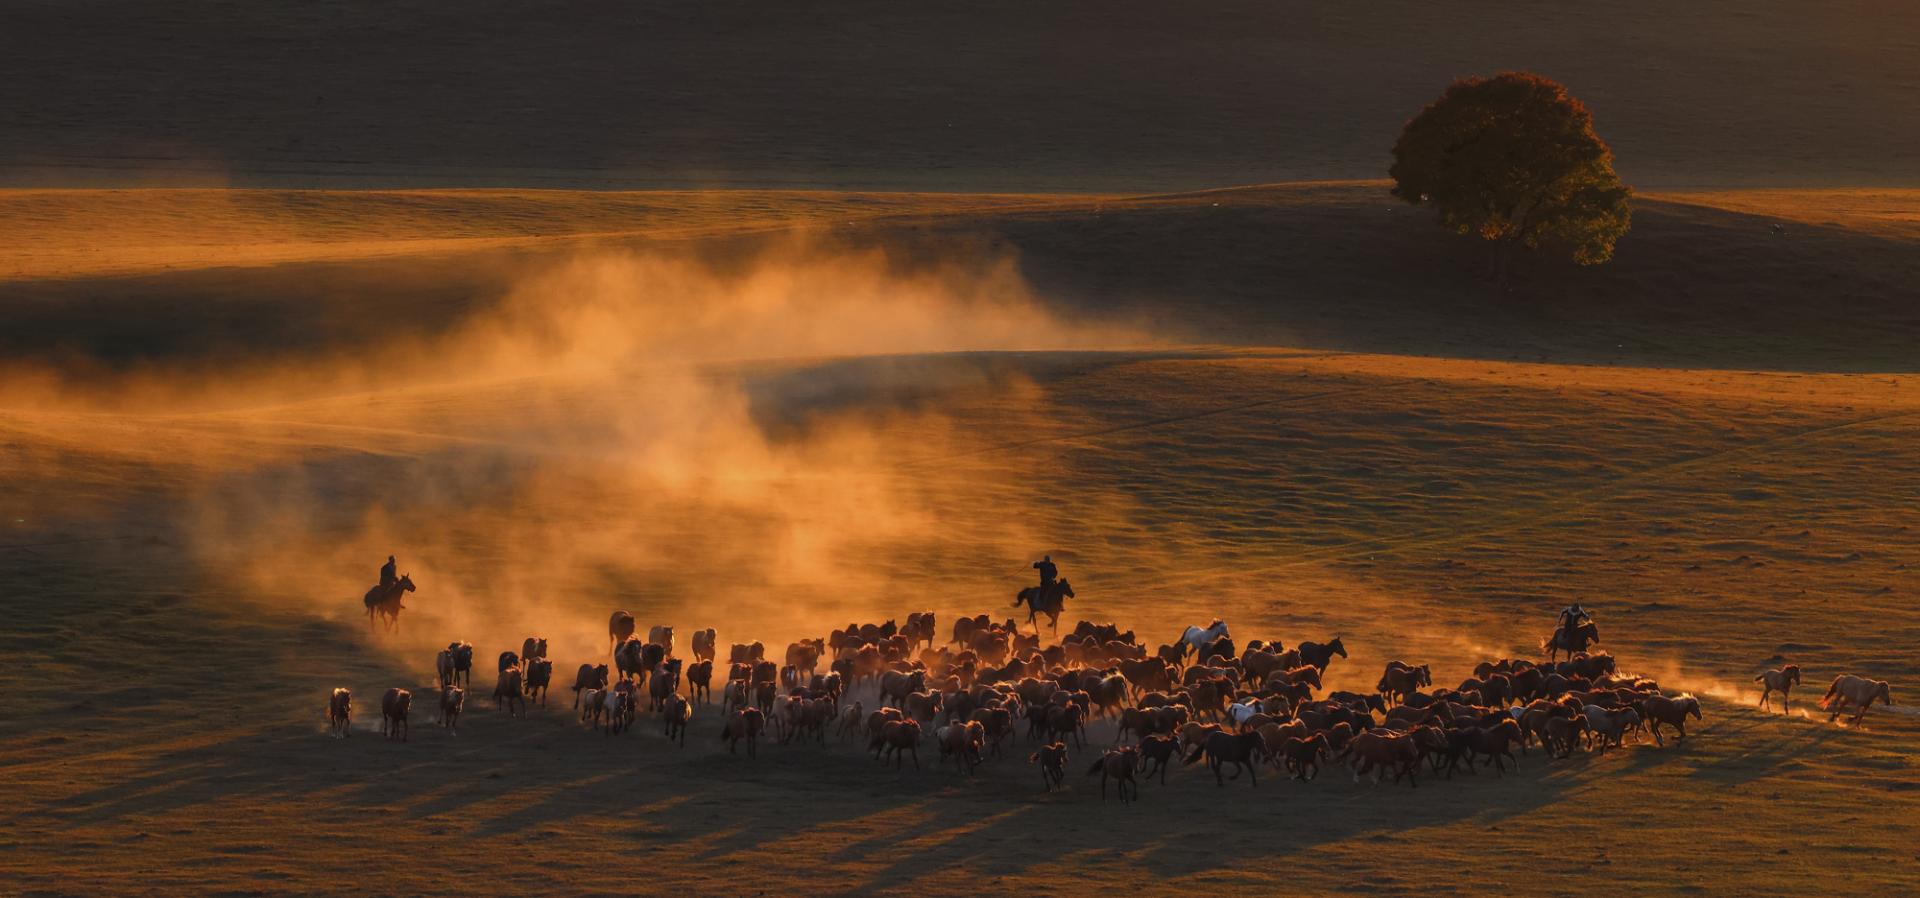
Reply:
x=1049, y=602
x=1859, y=692
x=1571, y=641
x=386, y=600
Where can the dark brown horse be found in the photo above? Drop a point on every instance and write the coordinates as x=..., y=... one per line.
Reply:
x=1049, y=601
x=1572, y=641
x=386, y=601
x=1224, y=748
x=1321, y=654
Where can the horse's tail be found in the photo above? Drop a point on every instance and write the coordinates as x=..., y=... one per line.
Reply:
x=1198, y=752
x=1827, y=700
x=1760, y=678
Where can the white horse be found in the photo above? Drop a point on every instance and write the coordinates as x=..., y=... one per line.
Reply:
x=1238, y=712
x=1196, y=638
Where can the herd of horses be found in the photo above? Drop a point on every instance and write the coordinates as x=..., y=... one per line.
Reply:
x=971, y=692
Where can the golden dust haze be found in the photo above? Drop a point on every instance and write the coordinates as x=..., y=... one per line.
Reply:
x=736, y=446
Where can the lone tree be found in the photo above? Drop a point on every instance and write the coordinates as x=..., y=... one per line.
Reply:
x=1513, y=158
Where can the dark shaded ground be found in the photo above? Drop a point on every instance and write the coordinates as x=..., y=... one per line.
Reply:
x=997, y=95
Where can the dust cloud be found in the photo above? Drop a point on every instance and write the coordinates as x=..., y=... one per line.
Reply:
x=738, y=446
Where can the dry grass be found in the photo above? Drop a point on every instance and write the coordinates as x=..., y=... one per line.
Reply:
x=176, y=623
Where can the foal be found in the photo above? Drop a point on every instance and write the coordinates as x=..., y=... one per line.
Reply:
x=1053, y=764
x=1778, y=681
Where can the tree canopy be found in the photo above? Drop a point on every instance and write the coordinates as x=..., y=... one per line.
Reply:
x=1514, y=159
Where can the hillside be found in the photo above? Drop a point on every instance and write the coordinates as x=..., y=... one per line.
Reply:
x=1800, y=280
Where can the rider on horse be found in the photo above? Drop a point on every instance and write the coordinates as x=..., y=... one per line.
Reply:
x=389, y=573
x=1048, y=573
x=1571, y=617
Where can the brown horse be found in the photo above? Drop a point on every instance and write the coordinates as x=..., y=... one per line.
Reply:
x=340, y=712
x=386, y=601
x=1118, y=765
x=1049, y=601
x=1402, y=680
x=507, y=689
x=1860, y=692
x=1052, y=760
x=744, y=724
x=453, y=700
x=1376, y=752
x=1301, y=755
x=1780, y=681
x=1659, y=709
x=1224, y=748
x=897, y=737
x=704, y=642
x=1572, y=641
x=619, y=627
x=676, y=714
x=394, y=707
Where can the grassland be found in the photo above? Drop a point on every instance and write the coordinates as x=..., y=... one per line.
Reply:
x=1289, y=441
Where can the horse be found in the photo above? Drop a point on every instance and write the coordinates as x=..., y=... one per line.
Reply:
x=386, y=601
x=665, y=684
x=1118, y=765
x=1659, y=709
x=678, y=711
x=1780, y=681
x=394, y=706
x=1196, y=638
x=1320, y=655
x=1052, y=760
x=1402, y=680
x=452, y=700
x=1377, y=752
x=1301, y=755
x=340, y=712
x=1223, y=748
x=507, y=689
x=619, y=627
x=443, y=664
x=539, y=676
x=1049, y=600
x=1609, y=726
x=591, y=677
x=1572, y=642
x=462, y=663
x=704, y=642
x=1848, y=689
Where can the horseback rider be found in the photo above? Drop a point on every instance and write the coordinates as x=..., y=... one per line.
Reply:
x=389, y=573
x=1048, y=573
x=1571, y=617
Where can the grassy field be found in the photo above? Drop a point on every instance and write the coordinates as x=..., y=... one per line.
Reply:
x=1218, y=404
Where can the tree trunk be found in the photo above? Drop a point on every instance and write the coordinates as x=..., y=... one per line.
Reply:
x=1503, y=267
